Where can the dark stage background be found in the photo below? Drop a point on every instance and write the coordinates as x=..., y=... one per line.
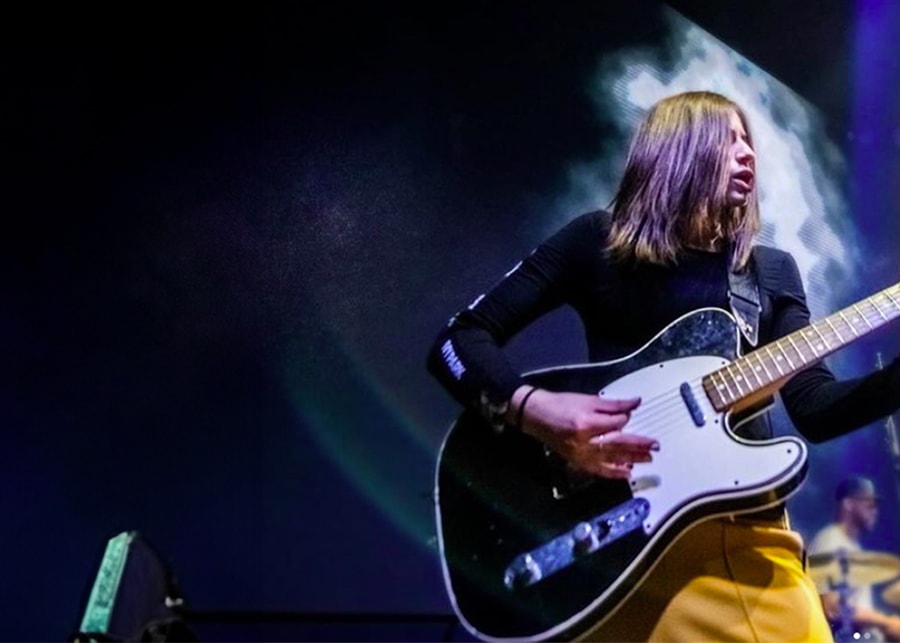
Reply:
x=233, y=231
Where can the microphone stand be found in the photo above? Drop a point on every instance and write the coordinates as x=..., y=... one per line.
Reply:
x=845, y=633
x=892, y=439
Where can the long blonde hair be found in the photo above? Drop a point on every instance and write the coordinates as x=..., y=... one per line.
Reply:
x=673, y=189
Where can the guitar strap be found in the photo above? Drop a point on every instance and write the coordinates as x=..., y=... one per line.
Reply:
x=743, y=296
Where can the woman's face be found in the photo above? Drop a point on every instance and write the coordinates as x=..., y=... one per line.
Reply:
x=741, y=165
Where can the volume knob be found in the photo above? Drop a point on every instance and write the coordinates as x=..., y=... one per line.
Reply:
x=523, y=571
x=584, y=539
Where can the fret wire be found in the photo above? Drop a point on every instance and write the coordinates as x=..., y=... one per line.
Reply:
x=849, y=325
x=888, y=305
x=877, y=308
x=803, y=359
x=856, y=308
x=785, y=355
x=774, y=360
x=833, y=329
x=708, y=388
x=765, y=368
x=703, y=382
x=722, y=373
x=736, y=380
x=815, y=328
x=755, y=371
x=724, y=385
x=714, y=389
x=887, y=293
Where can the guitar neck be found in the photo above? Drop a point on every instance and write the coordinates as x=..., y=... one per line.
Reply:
x=766, y=369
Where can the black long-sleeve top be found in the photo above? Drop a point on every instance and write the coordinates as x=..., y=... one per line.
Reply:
x=623, y=304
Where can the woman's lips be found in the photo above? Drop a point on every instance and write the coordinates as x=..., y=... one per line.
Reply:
x=744, y=180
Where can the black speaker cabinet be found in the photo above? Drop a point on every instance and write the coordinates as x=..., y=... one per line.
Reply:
x=134, y=596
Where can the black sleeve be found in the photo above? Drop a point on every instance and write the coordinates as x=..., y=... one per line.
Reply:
x=820, y=406
x=467, y=356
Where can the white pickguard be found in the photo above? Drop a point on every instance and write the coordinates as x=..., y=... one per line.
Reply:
x=694, y=463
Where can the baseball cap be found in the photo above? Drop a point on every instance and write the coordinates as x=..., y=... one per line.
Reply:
x=856, y=487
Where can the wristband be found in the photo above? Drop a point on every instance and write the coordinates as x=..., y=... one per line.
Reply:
x=521, y=412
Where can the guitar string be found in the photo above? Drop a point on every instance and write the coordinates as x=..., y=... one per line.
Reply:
x=649, y=412
x=657, y=417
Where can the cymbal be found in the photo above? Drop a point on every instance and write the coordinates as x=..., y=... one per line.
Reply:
x=891, y=594
x=863, y=568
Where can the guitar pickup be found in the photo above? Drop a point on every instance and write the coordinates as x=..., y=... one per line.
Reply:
x=691, y=403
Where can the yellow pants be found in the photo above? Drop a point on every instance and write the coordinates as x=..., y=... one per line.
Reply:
x=724, y=580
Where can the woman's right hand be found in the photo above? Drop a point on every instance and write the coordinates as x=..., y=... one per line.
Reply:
x=585, y=430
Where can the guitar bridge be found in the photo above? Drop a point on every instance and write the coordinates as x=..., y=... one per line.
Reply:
x=582, y=540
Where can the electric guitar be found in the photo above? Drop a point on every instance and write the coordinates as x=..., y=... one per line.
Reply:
x=532, y=552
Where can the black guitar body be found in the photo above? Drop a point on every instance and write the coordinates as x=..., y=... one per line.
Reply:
x=532, y=552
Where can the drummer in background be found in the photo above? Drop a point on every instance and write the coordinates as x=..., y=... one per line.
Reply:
x=857, y=513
